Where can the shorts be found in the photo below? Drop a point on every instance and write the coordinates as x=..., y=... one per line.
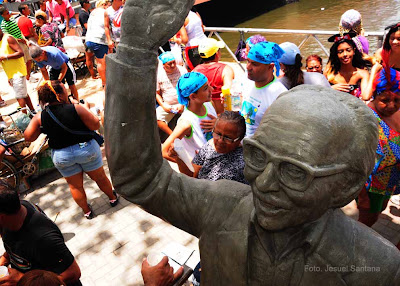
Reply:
x=19, y=86
x=25, y=49
x=70, y=75
x=99, y=50
x=162, y=115
x=78, y=158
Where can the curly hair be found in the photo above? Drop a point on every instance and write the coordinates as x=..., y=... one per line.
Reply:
x=47, y=95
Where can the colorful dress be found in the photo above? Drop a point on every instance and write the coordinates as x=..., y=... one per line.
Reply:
x=51, y=31
x=385, y=179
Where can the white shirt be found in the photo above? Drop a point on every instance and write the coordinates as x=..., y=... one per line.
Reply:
x=95, y=31
x=313, y=78
x=166, y=83
x=256, y=101
x=197, y=138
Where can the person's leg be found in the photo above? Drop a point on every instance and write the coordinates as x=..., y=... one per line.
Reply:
x=164, y=127
x=21, y=92
x=74, y=91
x=25, y=102
x=28, y=69
x=89, y=63
x=102, y=181
x=75, y=184
x=101, y=68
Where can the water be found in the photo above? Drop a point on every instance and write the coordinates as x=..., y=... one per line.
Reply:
x=307, y=15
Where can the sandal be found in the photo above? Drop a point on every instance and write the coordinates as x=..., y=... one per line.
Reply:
x=2, y=103
x=90, y=214
x=113, y=203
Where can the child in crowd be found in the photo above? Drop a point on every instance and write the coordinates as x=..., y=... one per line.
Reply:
x=197, y=120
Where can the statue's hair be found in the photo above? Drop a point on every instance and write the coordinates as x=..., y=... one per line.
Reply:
x=340, y=113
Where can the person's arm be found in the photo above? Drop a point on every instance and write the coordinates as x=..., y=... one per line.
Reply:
x=71, y=274
x=369, y=89
x=107, y=31
x=341, y=87
x=44, y=72
x=366, y=85
x=4, y=259
x=33, y=131
x=15, y=47
x=183, y=128
x=161, y=274
x=160, y=101
x=183, y=35
x=227, y=76
x=88, y=118
x=64, y=69
x=12, y=278
x=32, y=32
x=50, y=15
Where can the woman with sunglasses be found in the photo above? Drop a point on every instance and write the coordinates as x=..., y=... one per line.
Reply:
x=385, y=179
x=221, y=157
x=346, y=69
x=72, y=154
x=314, y=64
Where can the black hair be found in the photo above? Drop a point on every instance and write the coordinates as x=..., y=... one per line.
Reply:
x=209, y=59
x=294, y=72
x=2, y=9
x=21, y=7
x=236, y=118
x=82, y=2
x=386, y=44
x=9, y=199
x=357, y=62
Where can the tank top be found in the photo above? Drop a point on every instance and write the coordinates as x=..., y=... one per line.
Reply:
x=95, y=27
x=194, y=30
x=197, y=138
x=12, y=67
x=59, y=137
x=213, y=72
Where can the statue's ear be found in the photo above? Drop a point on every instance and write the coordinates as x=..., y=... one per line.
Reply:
x=348, y=190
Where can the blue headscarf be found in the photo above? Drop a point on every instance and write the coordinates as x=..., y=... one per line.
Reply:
x=383, y=81
x=166, y=57
x=188, y=84
x=266, y=53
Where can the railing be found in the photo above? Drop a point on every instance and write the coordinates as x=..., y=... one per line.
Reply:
x=313, y=34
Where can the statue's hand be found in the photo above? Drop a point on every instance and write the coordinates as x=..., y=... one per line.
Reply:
x=149, y=24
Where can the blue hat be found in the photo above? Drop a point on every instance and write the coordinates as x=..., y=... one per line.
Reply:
x=188, y=84
x=388, y=79
x=266, y=53
x=166, y=57
x=289, y=57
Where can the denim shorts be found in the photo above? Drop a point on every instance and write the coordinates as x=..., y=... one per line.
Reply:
x=78, y=158
x=99, y=50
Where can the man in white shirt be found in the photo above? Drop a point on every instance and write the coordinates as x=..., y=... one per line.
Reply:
x=166, y=96
x=261, y=60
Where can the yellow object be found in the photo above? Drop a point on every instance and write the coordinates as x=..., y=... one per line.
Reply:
x=12, y=67
x=227, y=98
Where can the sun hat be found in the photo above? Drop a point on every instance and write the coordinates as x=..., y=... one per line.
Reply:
x=188, y=84
x=266, y=53
x=166, y=57
x=289, y=57
x=208, y=47
x=41, y=13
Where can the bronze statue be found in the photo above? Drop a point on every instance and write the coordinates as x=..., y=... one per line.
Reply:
x=311, y=154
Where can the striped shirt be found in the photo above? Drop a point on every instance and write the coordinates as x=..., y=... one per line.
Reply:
x=11, y=28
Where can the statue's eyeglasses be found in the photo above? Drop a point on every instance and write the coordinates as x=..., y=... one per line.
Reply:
x=290, y=172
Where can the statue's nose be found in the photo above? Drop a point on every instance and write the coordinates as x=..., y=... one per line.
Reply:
x=267, y=181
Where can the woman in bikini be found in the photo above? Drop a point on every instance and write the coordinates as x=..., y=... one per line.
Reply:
x=346, y=69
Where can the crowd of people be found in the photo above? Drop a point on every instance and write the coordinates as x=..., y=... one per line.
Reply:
x=192, y=88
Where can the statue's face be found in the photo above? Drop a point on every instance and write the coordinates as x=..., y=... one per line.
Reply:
x=291, y=186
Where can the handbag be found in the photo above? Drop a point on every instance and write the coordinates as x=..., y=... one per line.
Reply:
x=241, y=48
x=96, y=136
